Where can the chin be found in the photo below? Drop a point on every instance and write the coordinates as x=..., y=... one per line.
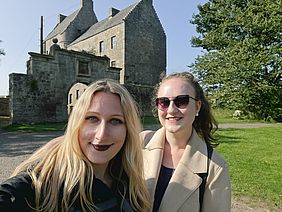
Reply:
x=173, y=129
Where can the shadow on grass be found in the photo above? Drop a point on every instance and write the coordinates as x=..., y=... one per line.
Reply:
x=227, y=139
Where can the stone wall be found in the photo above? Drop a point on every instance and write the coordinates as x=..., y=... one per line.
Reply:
x=145, y=57
x=143, y=96
x=41, y=95
x=115, y=54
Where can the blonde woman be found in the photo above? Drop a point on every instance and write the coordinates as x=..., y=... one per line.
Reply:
x=96, y=166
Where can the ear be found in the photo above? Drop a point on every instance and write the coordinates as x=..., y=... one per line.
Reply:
x=198, y=106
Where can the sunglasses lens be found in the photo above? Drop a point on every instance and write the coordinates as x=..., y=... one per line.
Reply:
x=181, y=101
x=162, y=103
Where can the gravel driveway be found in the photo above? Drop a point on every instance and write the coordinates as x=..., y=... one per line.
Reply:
x=15, y=147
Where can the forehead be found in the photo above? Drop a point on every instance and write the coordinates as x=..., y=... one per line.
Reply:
x=176, y=86
x=105, y=102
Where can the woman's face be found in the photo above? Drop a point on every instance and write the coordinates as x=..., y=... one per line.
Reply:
x=176, y=119
x=103, y=131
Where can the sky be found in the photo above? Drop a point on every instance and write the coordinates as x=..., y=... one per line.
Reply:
x=20, y=29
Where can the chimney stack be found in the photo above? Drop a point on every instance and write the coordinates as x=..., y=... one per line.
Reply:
x=113, y=12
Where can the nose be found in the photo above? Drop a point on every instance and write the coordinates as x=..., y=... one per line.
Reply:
x=101, y=131
x=172, y=107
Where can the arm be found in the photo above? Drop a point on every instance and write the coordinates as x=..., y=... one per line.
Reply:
x=146, y=136
x=16, y=192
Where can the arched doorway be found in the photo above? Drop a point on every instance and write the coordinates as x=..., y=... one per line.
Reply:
x=74, y=93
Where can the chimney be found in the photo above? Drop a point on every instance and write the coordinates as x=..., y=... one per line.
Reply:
x=113, y=12
x=61, y=18
x=86, y=3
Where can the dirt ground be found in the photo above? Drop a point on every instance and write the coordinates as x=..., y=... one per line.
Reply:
x=15, y=147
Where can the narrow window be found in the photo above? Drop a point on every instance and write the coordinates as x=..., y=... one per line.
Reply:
x=113, y=42
x=101, y=46
x=70, y=100
x=77, y=94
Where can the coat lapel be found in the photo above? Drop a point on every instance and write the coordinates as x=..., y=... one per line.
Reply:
x=185, y=180
x=152, y=157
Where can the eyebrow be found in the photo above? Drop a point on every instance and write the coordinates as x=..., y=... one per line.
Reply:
x=113, y=115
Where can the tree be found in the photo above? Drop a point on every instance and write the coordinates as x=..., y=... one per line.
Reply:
x=241, y=65
x=1, y=50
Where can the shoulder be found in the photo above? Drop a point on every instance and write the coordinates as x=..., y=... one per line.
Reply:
x=218, y=160
x=15, y=191
x=219, y=168
x=146, y=136
x=18, y=181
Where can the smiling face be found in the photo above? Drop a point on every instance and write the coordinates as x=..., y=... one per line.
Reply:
x=103, y=131
x=174, y=119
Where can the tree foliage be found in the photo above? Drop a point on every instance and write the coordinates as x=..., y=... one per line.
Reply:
x=241, y=67
x=1, y=50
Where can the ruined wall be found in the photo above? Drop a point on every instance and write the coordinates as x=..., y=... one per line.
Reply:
x=4, y=106
x=41, y=95
x=143, y=96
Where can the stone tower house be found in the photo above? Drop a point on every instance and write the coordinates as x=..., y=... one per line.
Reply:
x=129, y=46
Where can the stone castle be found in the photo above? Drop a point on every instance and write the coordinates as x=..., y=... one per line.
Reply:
x=128, y=46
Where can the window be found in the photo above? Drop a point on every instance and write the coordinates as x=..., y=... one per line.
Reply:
x=101, y=47
x=77, y=94
x=83, y=68
x=113, y=63
x=70, y=98
x=113, y=42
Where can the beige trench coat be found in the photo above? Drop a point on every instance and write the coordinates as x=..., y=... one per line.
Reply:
x=182, y=193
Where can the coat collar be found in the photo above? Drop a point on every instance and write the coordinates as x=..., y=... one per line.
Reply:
x=194, y=156
x=185, y=179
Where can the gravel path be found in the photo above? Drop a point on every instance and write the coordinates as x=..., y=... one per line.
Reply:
x=16, y=147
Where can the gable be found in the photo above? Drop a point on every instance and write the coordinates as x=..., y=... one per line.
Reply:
x=105, y=24
x=61, y=27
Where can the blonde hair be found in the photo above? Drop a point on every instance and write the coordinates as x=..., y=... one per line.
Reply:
x=60, y=167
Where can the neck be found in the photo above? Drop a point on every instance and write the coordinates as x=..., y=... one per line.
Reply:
x=178, y=140
x=174, y=148
x=102, y=173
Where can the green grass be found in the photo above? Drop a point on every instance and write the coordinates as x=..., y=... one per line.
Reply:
x=149, y=120
x=222, y=116
x=254, y=157
x=40, y=127
x=226, y=116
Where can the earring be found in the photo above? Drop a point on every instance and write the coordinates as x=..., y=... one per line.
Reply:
x=197, y=114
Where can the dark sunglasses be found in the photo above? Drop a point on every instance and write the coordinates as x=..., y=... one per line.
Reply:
x=180, y=101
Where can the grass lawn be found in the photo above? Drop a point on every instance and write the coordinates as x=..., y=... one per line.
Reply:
x=41, y=127
x=223, y=116
x=254, y=157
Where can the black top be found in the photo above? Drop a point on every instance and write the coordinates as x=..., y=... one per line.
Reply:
x=164, y=178
x=17, y=193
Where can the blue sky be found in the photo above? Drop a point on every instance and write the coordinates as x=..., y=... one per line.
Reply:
x=20, y=29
